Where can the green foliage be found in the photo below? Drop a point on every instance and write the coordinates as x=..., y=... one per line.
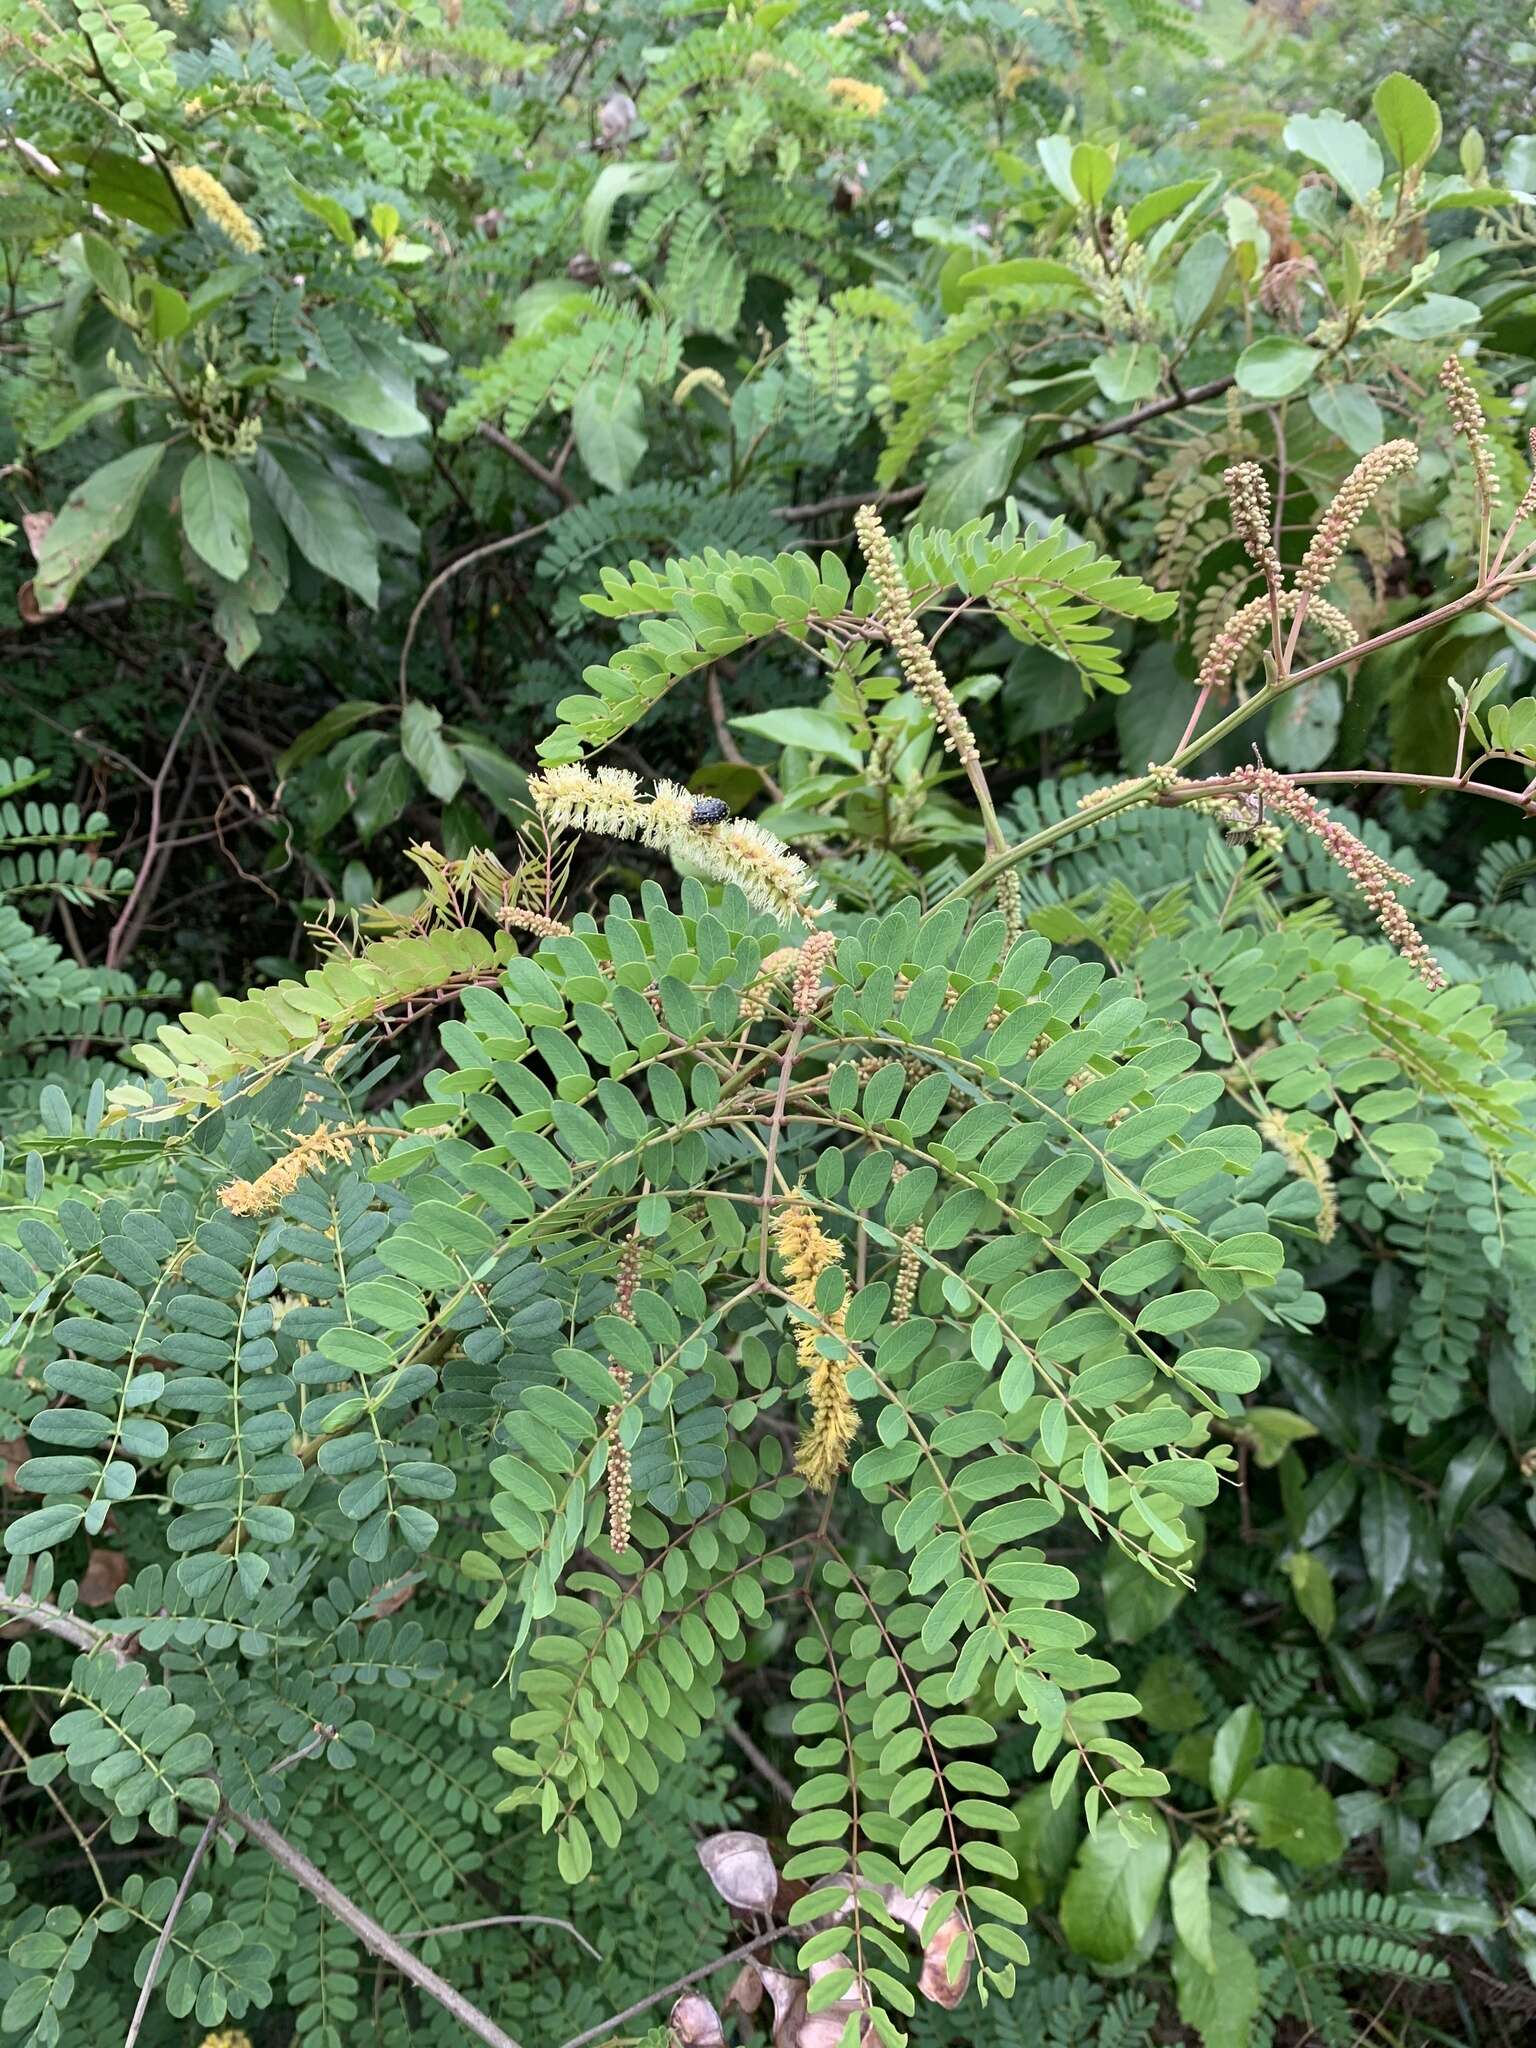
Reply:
x=980, y=1430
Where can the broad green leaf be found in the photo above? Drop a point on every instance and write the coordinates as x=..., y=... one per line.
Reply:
x=1435, y=317
x=1203, y=268
x=81, y=415
x=628, y=180
x=1350, y=412
x=1273, y=1431
x=162, y=308
x=1115, y=1886
x=607, y=420
x=1018, y=270
x=422, y=743
x=1220, y=2001
x=1251, y=1888
x=307, y=27
x=1409, y=119
x=818, y=732
x=108, y=271
x=383, y=796
x=131, y=190
x=1288, y=1810
x=94, y=515
x=1189, y=1894
x=1386, y=1531
x=1518, y=168
x=1460, y=1811
x=1055, y=153
x=335, y=725
x=330, y=210
x=1129, y=372
x=216, y=514
x=1303, y=726
x=1345, y=150
x=1312, y=1584
x=1093, y=172
x=1239, y=1740
x=323, y=517
x=379, y=399
x=1154, y=208
x=1276, y=367
x=973, y=474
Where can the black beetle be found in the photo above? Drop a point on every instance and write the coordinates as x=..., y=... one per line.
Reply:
x=710, y=810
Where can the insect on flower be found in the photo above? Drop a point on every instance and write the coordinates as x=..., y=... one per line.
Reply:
x=710, y=810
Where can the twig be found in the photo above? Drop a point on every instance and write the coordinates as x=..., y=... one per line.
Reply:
x=531, y=463
x=370, y=1933
x=64, y=1813
x=147, y=1989
x=1143, y=788
x=1105, y=430
x=737, y=1955
x=723, y=738
x=501, y=1920
x=454, y=568
x=764, y=1766
x=67, y=1627
x=1194, y=718
x=1126, y=423
x=125, y=929
x=515, y=449
x=86, y=1636
x=850, y=501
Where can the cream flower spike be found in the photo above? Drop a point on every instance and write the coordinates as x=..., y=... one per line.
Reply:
x=609, y=801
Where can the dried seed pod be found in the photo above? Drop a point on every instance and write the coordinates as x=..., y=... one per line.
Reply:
x=694, y=2023
x=740, y=1867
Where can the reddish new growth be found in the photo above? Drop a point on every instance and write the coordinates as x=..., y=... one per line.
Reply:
x=1257, y=789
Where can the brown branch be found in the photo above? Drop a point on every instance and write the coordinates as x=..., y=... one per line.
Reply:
x=1125, y=423
x=1197, y=394
x=84, y=1635
x=519, y=454
x=446, y=575
x=850, y=501
x=502, y=1920
x=531, y=463
x=766, y=1769
x=151, y=867
x=370, y=1933
x=164, y=1942
x=737, y=1955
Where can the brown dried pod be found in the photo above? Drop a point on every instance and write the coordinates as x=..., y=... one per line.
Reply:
x=788, y=1996
x=615, y=118
x=740, y=1867
x=825, y=2029
x=695, y=2023
x=746, y=1992
x=912, y=1910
